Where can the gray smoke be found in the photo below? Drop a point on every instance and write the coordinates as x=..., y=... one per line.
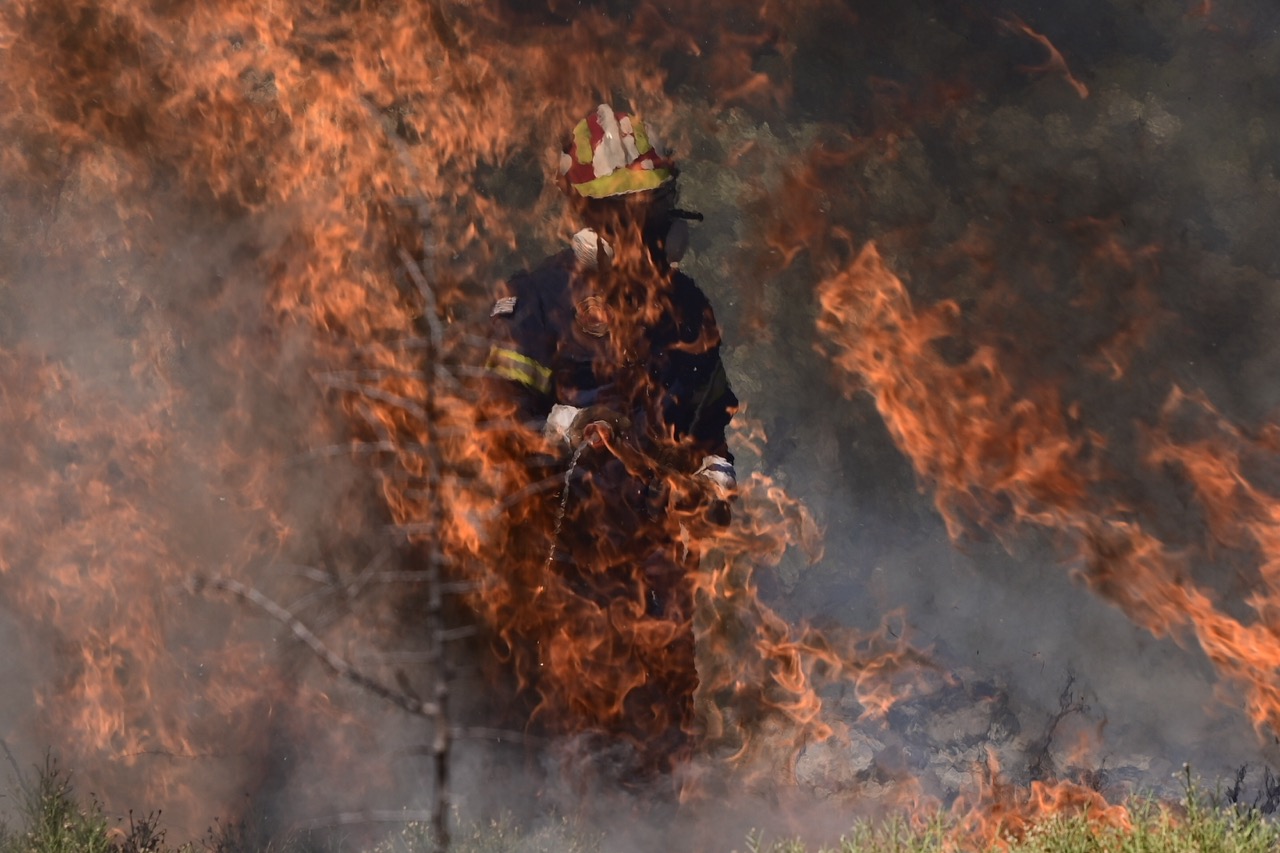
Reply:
x=1166, y=152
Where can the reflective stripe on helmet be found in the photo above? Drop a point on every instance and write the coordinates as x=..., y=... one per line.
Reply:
x=622, y=182
x=643, y=145
x=582, y=143
x=611, y=153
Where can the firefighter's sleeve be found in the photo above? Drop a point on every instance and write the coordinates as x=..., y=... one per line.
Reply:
x=711, y=397
x=518, y=365
x=717, y=403
x=715, y=407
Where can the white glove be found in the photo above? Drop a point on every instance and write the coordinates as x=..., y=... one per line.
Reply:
x=573, y=426
x=559, y=421
x=587, y=247
x=718, y=470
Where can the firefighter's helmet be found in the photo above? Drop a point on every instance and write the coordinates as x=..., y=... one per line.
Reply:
x=612, y=154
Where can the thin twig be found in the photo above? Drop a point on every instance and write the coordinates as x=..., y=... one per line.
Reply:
x=483, y=733
x=346, y=592
x=430, y=307
x=311, y=573
x=17, y=771
x=457, y=334
x=371, y=568
x=363, y=817
x=373, y=374
x=441, y=371
x=360, y=448
x=411, y=576
x=331, y=660
x=413, y=528
x=471, y=370
x=373, y=393
x=397, y=343
x=369, y=417
x=193, y=756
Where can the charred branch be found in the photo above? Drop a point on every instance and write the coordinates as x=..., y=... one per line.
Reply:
x=1043, y=767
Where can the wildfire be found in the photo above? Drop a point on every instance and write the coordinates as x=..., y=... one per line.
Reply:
x=258, y=244
x=1002, y=814
x=346, y=149
x=999, y=457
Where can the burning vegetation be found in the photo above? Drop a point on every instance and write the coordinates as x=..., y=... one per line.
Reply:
x=994, y=315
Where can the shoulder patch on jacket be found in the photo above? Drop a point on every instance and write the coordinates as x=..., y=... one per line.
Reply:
x=505, y=305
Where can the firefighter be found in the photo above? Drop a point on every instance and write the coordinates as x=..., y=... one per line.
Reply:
x=612, y=353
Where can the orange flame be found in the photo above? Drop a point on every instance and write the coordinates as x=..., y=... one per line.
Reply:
x=348, y=140
x=1002, y=815
x=1055, y=64
x=998, y=457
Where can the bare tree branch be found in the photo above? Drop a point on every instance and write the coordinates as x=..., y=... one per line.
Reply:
x=483, y=733
x=374, y=421
x=331, y=660
x=375, y=394
x=430, y=308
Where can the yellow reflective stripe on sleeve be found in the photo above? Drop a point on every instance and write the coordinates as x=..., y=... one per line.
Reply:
x=510, y=364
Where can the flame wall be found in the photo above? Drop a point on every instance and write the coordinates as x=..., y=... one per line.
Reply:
x=1031, y=415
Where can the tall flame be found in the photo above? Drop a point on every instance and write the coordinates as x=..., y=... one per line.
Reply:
x=355, y=164
x=1000, y=457
x=254, y=242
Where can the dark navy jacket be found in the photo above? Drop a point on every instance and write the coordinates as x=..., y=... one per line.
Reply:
x=554, y=346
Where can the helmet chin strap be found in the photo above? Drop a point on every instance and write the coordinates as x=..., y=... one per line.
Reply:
x=677, y=242
x=665, y=232
x=670, y=232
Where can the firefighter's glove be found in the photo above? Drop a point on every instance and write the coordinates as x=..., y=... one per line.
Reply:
x=718, y=475
x=719, y=471
x=592, y=424
x=596, y=423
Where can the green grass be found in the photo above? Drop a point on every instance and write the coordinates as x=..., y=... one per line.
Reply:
x=497, y=836
x=1154, y=831
x=56, y=823
x=54, y=820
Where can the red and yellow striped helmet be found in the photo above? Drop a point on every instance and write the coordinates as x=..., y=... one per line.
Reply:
x=610, y=154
